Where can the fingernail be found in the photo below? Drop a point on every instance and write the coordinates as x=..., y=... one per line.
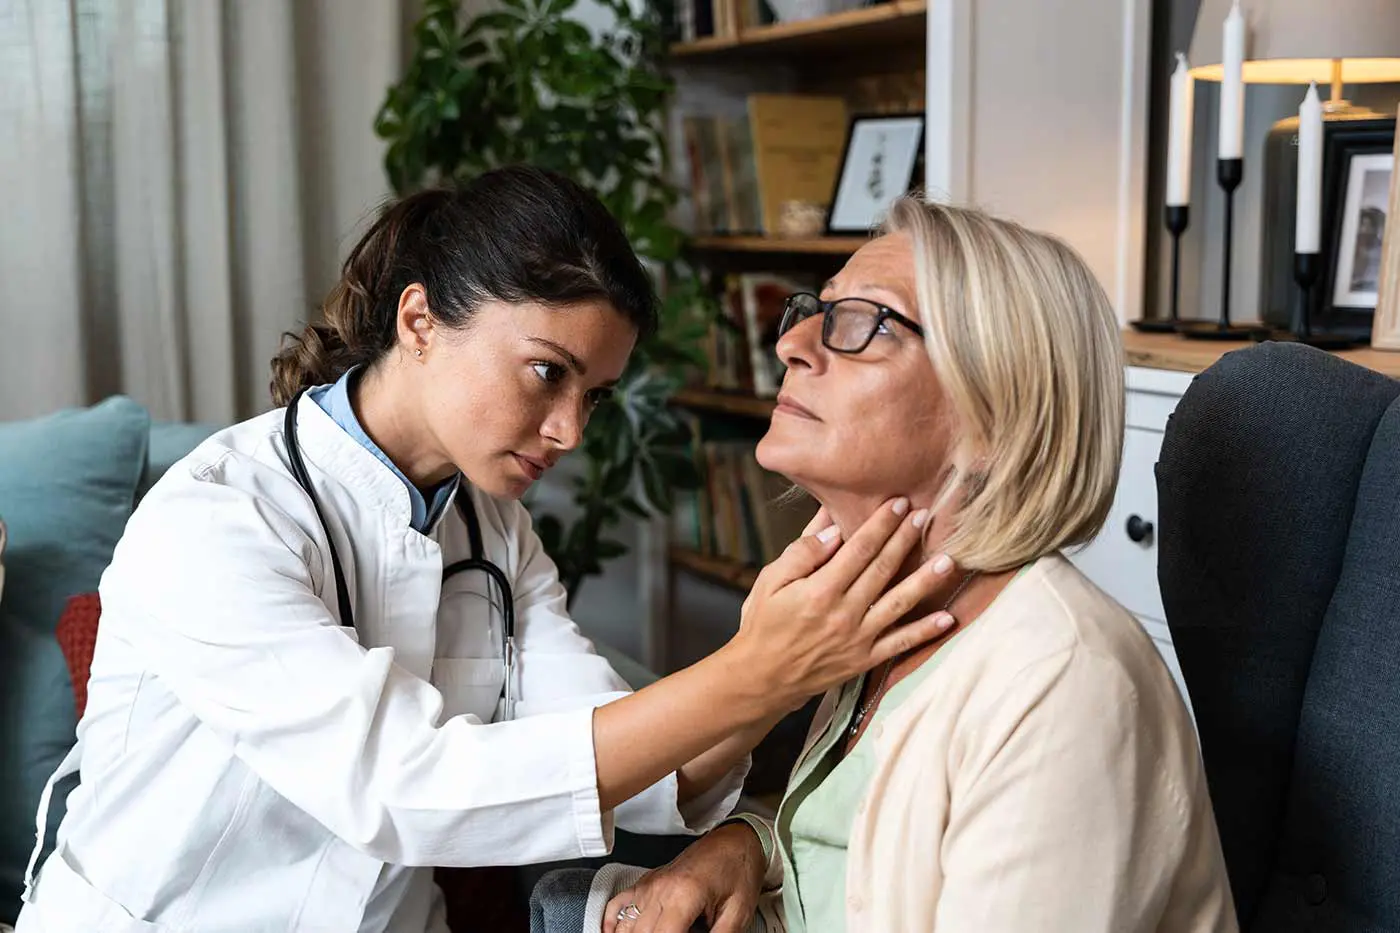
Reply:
x=901, y=505
x=944, y=621
x=942, y=564
x=920, y=518
x=827, y=533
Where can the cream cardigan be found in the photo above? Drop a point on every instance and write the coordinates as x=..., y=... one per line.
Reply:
x=1045, y=778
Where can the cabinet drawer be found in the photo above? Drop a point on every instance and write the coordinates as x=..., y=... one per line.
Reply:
x=1124, y=568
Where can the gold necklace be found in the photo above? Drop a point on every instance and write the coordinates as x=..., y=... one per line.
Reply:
x=865, y=708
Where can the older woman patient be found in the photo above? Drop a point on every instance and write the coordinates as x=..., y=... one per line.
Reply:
x=1034, y=769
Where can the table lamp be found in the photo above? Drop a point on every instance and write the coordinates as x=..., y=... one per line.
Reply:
x=1330, y=42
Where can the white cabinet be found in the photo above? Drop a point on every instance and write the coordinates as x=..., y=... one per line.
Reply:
x=1123, y=558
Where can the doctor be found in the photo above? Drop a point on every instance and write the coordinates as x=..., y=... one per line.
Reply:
x=333, y=653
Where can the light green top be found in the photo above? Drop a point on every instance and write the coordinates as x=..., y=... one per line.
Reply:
x=815, y=817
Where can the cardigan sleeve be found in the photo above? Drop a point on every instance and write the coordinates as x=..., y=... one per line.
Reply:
x=1051, y=804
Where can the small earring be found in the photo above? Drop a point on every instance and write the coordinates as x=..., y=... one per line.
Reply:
x=418, y=352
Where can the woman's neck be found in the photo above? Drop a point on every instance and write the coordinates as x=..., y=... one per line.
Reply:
x=849, y=511
x=380, y=401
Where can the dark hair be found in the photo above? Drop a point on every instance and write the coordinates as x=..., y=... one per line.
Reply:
x=515, y=234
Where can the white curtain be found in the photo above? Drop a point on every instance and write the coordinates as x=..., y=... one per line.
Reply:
x=181, y=178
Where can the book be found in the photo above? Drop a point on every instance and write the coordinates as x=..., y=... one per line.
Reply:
x=764, y=297
x=743, y=512
x=797, y=144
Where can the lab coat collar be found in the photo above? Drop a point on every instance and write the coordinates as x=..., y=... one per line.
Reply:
x=329, y=447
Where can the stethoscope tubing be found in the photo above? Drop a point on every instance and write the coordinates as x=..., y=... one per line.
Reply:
x=475, y=562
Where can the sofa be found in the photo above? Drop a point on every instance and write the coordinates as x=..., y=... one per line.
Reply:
x=68, y=483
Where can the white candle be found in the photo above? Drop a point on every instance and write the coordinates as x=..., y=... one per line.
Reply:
x=1232, y=87
x=1308, y=232
x=1183, y=96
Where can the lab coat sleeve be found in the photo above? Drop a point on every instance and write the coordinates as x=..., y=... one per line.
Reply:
x=215, y=588
x=560, y=670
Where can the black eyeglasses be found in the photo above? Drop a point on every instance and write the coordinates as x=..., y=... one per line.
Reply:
x=848, y=324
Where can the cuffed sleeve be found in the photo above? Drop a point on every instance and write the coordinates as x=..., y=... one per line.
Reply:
x=768, y=839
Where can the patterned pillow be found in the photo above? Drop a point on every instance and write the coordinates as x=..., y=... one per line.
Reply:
x=77, y=638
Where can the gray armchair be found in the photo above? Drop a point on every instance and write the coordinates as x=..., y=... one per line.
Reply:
x=1279, y=507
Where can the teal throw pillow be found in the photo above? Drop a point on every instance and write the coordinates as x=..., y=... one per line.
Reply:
x=67, y=484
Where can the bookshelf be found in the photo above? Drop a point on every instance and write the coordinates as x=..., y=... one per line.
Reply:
x=728, y=112
x=870, y=27
x=820, y=246
x=726, y=573
x=724, y=403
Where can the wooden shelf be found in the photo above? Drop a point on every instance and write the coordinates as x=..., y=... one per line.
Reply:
x=1180, y=354
x=725, y=403
x=875, y=27
x=728, y=573
x=826, y=245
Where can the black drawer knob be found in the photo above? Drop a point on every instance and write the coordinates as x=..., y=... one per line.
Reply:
x=1139, y=529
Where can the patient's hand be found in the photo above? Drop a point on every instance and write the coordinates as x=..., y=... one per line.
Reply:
x=717, y=878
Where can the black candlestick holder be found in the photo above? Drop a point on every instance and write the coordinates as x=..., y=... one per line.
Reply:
x=1178, y=218
x=1307, y=267
x=1229, y=173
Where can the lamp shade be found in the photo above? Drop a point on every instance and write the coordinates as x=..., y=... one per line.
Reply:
x=1297, y=41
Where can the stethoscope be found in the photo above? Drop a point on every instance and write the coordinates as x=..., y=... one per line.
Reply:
x=475, y=562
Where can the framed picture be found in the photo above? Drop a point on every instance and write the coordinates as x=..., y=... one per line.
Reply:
x=1358, y=255
x=877, y=166
x=1359, y=143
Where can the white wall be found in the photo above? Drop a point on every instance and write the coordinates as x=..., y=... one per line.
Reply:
x=1038, y=112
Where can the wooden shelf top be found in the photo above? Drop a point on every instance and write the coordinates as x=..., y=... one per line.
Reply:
x=726, y=403
x=900, y=21
x=1180, y=354
x=728, y=573
x=825, y=245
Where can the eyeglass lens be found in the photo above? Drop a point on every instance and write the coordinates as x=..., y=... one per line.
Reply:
x=848, y=326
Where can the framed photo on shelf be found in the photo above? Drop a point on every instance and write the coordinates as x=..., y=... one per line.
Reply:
x=1355, y=156
x=1361, y=226
x=877, y=166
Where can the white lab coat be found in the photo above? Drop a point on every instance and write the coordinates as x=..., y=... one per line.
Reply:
x=250, y=765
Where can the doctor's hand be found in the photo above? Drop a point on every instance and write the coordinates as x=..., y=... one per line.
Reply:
x=718, y=878
x=824, y=611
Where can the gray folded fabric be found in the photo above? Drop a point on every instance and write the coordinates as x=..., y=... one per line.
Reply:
x=571, y=900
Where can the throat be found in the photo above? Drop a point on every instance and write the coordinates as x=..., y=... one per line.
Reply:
x=383, y=410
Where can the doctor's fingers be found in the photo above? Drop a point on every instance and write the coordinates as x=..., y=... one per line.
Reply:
x=798, y=561
x=871, y=555
x=819, y=522
x=839, y=563
x=875, y=578
x=881, y=621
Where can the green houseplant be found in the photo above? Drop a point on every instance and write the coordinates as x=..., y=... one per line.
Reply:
x=524, y=83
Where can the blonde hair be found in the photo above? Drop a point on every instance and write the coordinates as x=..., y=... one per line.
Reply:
x=1027, y=350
